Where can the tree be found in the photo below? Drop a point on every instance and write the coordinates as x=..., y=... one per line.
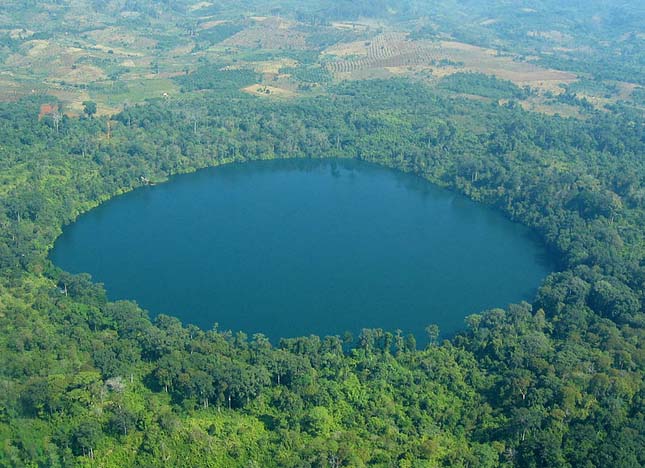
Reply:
x=614, y=300
x=89, y=108
x=432, y=332
x=57, y=117
x=410, y=343
x=524, y=421
x=194, y=114
x=85, y=438
x=318, y=421
x=121, y=420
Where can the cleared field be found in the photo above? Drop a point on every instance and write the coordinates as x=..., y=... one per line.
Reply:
x=625, y=90
x=350, y=25
x=397, y=54
x=199, y=6
x=272, y=67
x=385, y=50
x=211, y=24
x=50, y=61
x=268, y=91
x=121, y=40
x=539, y=104
x=348, y=49
x=269, y=34
x=503, y=66
x=10, y=89
x=112, y=63
x=118, y=51
x=81, y=74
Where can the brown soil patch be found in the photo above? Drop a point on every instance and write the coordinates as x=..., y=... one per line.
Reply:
x=212, y=24
x=270, y=34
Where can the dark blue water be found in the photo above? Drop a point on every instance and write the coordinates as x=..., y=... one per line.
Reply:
x=298, y=247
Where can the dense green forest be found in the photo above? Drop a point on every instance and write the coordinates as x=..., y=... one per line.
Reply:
x=483, y=85
x=558, y=382
x=101, y=97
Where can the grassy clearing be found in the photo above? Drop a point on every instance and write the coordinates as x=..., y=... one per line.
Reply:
x=268, y=91
x=545, y=106
x=133, y=91
x=273, y=66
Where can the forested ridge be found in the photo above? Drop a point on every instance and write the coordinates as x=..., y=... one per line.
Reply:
x=558, y=382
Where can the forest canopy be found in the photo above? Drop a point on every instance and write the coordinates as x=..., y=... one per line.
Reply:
x=536, y=112
x=517, y=386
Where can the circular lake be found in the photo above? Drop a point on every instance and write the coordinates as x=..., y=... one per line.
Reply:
x=299, y=247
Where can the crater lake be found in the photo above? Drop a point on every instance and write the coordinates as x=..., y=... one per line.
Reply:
x=298, y=247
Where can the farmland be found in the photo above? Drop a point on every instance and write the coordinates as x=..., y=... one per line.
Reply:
x=132, y=57
x=394, y=50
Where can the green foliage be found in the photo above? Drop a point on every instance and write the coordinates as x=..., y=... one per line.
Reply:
x=483, y=85
x=593, y=88
x=310, y=74
x=217, y=77
x=89, y=108
x=218, y=33
x=556, y=383
x=639, y=96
